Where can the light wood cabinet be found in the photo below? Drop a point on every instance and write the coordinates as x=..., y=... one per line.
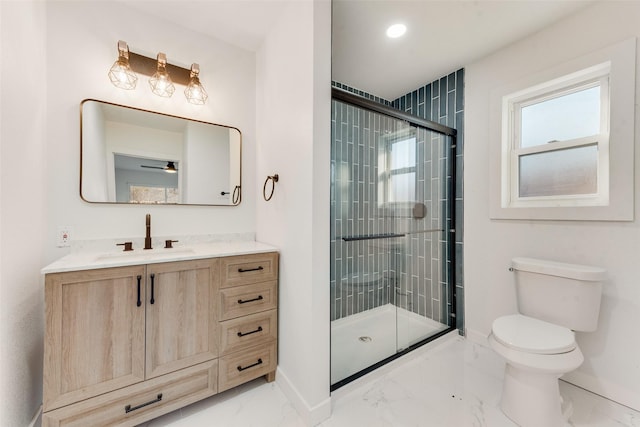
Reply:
x=248, y=319
x=127, y=344
x=94, y=336
x=182, y=318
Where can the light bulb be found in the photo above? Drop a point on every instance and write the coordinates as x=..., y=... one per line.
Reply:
x=160, y=82
x=195, y=92
x=121, y=74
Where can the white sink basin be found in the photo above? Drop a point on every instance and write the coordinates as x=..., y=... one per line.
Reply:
x=141, y=254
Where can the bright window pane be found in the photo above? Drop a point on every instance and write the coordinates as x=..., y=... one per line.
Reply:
x=559, y=173
x=153, y=195
x=403, y=154
x=562, y=118
x=403, y=187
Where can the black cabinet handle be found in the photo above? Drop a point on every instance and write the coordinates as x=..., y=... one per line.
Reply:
x=259, y=362
x=128, y=408
x=240, y=334
x=139, y=302
x=244, y=270
x=259, y=297
x=153, y=276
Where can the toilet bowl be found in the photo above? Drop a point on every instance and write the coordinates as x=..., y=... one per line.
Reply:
x=538, y=344
x=537, y=354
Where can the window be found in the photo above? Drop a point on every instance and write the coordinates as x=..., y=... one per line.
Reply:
x=397, y=169
x=561, y=138
x=146, y=194
x=556, y=142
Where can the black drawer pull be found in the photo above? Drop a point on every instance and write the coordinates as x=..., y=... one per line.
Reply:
x=244, y=270
x=128, y=408
x=240, y=334
x=250, y=300
x=139, y=302
x=259, y=362
x=153, y=276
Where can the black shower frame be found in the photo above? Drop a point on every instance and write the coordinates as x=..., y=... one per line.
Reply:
x=367, y=104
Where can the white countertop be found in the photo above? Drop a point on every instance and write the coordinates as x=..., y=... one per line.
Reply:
x=88, y=260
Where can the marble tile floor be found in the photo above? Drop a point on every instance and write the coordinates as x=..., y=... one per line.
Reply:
x=452, y=382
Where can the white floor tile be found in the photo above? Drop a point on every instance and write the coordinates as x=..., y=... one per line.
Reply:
x=452, y=383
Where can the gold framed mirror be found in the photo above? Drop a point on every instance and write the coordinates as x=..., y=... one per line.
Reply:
x=134, y=156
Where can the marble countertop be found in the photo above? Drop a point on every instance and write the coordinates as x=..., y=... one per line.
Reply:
x=90, y=260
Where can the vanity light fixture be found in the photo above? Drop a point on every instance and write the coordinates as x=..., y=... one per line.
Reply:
x=121, y=74
x=163, y=76
x=194, y=92
x=160, y=82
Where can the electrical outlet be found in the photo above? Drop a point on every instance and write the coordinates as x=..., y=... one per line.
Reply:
x=64, y=236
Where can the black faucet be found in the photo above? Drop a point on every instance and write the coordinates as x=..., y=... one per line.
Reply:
x=147, y=239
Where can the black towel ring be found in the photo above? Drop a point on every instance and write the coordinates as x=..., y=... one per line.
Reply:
x=273, y=179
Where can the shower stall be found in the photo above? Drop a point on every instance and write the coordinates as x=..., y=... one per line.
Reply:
x=392, y=234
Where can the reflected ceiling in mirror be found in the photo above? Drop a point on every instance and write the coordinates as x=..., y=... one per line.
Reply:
x=134, y=156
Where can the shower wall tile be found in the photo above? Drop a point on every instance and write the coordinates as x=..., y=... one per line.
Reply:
x=442, y=101
x=367, y=274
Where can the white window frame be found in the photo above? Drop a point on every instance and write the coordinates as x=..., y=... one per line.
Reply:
x=622, y=93
x=512, y=106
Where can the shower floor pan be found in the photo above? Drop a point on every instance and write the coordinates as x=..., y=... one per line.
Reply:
x=363, y=339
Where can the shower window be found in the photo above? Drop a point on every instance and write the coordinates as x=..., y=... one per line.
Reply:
x=397, y=169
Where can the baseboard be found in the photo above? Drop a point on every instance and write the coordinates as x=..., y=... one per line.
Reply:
x=477, y=337
x=36, y=421
x=311, y=415
x=613, y=392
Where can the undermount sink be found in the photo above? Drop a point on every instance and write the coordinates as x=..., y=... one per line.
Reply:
x=144, y=254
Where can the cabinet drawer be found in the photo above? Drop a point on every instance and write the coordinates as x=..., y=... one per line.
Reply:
x=248, y=331
x=143, y=401
x=243, y=300
x=247, y=269
x=244, y=366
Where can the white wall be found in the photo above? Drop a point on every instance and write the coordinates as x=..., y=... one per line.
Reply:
x=207, y=157
x=94, y=178
x=612, y=353
x=23, y=208
x=293, y=117
x=60, y=52
x=81, y=47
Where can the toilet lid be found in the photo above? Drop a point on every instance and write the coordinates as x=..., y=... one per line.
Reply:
x=532, y=335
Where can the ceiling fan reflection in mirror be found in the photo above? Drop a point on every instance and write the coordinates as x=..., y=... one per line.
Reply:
x=169, y=168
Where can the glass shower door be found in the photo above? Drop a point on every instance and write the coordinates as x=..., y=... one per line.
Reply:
x=388, y=191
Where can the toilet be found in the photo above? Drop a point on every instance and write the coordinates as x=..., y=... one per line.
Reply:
x=554, y=300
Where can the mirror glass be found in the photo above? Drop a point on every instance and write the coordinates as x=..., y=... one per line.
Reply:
x=130, y=155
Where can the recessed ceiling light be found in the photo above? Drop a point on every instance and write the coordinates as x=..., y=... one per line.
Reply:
x=396, y=30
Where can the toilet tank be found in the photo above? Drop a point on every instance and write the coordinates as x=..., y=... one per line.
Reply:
x=564, y=294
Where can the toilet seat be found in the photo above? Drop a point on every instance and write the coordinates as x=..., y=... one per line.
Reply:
x=523, y=333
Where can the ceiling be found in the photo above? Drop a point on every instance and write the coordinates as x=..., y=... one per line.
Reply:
x=442, y=35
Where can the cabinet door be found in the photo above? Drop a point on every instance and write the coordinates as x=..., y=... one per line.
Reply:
x=94, y=333
x=181, y=315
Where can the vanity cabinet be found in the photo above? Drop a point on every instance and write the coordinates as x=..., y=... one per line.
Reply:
x=248, y=319
x=181, y=315
x=126, y=344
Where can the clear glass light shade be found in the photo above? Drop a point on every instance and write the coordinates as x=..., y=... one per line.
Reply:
x=161, y=84
x=121, y=74
x=194, y=92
